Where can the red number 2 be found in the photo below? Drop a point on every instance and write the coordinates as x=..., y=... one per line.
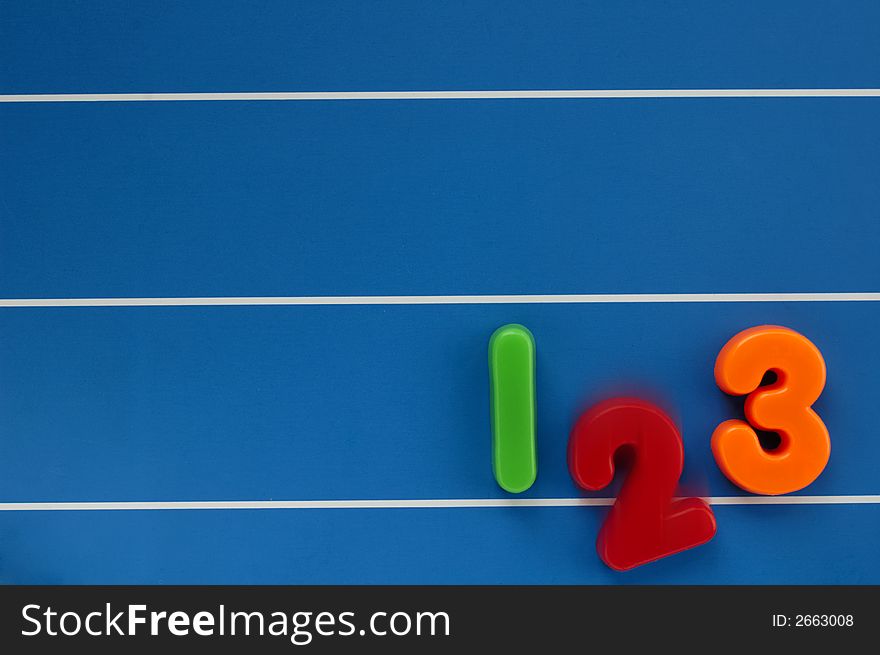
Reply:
x=645, y=522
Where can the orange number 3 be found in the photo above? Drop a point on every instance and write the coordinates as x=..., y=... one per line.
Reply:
x=783, y=407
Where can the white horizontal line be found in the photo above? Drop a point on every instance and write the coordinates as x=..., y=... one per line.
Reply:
x=442, y=300
x=428, y=503
x=517, y=94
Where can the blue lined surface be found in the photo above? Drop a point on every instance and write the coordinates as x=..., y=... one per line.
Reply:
x=290, y=403
x=361, y=402
x=104, y=46
x=436, y=197
x=440, y=197
x=766, y=545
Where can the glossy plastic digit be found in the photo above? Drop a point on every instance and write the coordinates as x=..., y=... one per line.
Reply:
x=783, y=407
x=645, y=523
x=512, y=379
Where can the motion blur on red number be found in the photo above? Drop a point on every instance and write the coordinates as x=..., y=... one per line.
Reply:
x=645, y=522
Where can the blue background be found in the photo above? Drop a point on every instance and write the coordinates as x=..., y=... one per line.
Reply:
x=433, y=197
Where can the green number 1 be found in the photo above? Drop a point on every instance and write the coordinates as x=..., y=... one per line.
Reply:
x=512, y=378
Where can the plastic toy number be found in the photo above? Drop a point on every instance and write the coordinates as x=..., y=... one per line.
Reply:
x=645, y=522
x=783, y=406
x=512, y=378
